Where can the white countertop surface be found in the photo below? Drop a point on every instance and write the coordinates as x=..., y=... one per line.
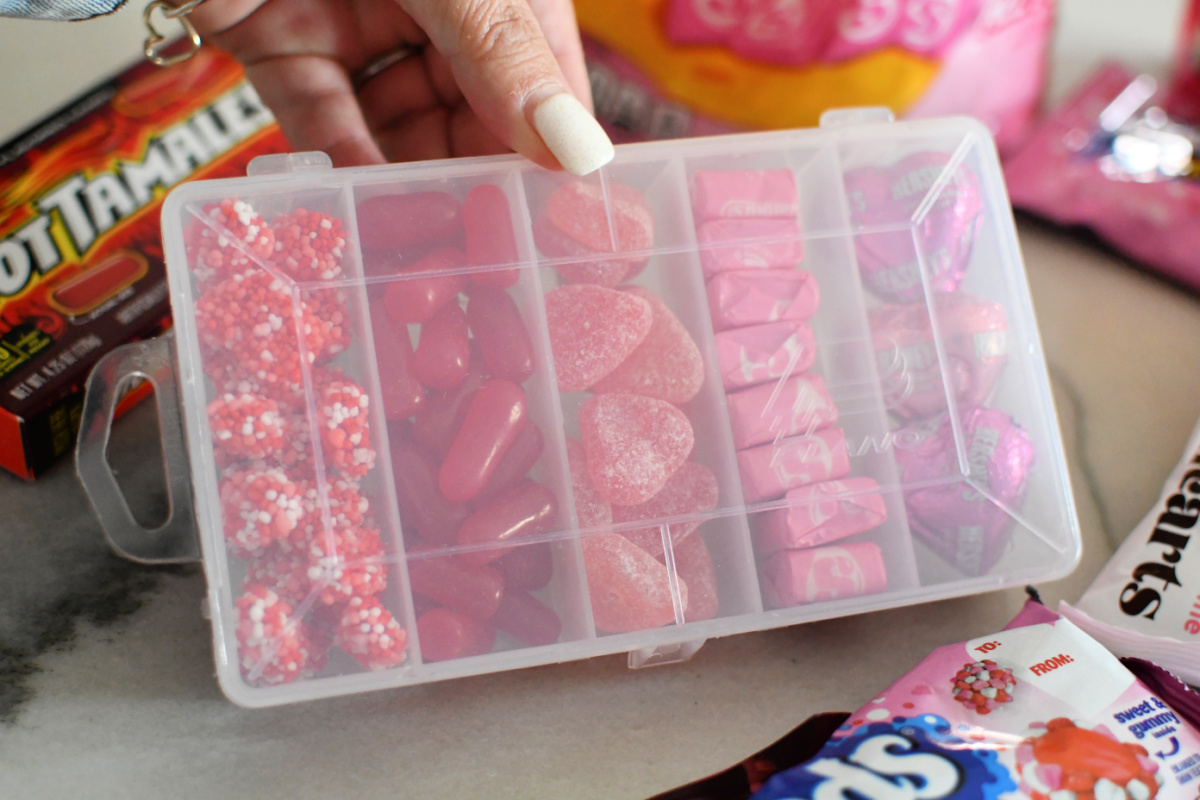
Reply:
x=106, y=676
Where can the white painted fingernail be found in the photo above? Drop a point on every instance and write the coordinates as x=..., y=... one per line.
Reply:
x=572, y=134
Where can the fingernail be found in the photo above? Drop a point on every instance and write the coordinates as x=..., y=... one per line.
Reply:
x=572, y=134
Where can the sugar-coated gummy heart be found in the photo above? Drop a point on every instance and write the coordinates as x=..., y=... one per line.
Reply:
x=591, y=509
x=587, y=266
x=592, y=330
x=630, y=590
x=370, y=634
x=691, y=490
x=667, y=364
x=578, y=209
x=634, y=445
x=694, y=565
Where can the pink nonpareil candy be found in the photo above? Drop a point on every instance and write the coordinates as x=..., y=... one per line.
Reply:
x=592, y=330
x=403, y=394
x=578, y=209
x=630, y=590
x=528, y=567
x=271, y=645
x=667, y=364
x=761, y=353
x=427, y=287
x=500, y=334
x=345, y=429
x=466, y=588
x=634, y=445
x=586, y=265
x=494, y=417
x=820, y=574
x=732, y=194
x=770, y=470
x=768, y=412
x=491, y=240
x=974, y=338
x=444, y=350
x=370, y=634
x=258, y=507
x=446, y=634
x=694, y=566
x=423, y=509
x=514, y=465
x=968, y=522
x=944, y=234
x=729, y=244
x=821, y=513
x=786, y=33
x=591, y=508
x=246, y=426
x=753, y=297
x=527, y=510
x=527, y=619
x=691, y=490
x=392, y=221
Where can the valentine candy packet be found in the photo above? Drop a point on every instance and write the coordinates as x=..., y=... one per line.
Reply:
x=1143, y=603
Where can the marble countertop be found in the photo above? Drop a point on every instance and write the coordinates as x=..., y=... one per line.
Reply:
x=106, y=677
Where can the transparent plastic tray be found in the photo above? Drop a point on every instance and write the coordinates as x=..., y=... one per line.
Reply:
x=875, y=271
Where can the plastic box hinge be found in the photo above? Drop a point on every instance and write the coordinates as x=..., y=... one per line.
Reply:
x=286, y=163
x=674, y=653
x=849, y=117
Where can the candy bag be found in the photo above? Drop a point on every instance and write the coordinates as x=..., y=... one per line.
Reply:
x=1143, y=603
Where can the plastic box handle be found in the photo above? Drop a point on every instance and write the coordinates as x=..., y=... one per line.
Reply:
x=175, y=541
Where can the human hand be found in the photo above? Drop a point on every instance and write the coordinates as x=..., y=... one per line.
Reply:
x=483, y=77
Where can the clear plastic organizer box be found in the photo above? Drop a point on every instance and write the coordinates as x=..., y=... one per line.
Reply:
x=457, y=417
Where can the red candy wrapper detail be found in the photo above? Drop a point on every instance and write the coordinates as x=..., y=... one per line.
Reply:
x=258, y=508
x=368, y=632
x=309, y=245
x=983, y=686
x=272, y=648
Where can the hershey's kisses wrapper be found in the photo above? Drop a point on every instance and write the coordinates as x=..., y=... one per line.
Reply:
x=967, y=522
x=944, y=231
x=974, y=340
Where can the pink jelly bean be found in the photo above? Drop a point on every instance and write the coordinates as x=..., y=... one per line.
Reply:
x=634, y=445
x=630, y=590
x=821, y=513
x=694, y=566
x=490, y=238
x=500, y=334
x=444, y=349
x=529, y=567
x=527, y=510
x=494, y=417
x=727, y=244
x=667, y=364
x=591, y=508
x=417, y=298
x=469, y=589
x=821, y=574
x=770, y=470
x=691, y=490
x=514, y=465
x=399, y=220
x=753, y=297
x=446, y=634
x=403, y=394
x=725, y=194
x=422, y=506
x=760, y=353
x=586, y=265
x=768, y=412
x=592, y=330
x=442, y=414
x=527, y=619
x=578, y=209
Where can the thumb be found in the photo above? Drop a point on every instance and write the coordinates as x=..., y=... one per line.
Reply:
x=507, y=72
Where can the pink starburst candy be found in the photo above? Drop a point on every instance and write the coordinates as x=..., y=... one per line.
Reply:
x=467, y=588
x=944, y=233
x=309, y=245
x=271, y=646
x=394, y=221
x=770, y=470
x=500, y=334
x=634, y=445
x=820, y=513
x=733, y=194
x=768, y=412
x=973, y=335
x=529, y=509
x=370, y=634
x=444, y=350
x=667, y=364
x=579, y=210
x=403, y=393
x=691, y=490
x=446, y=635
x=345, y=428
x=258, y=507
x=230, y=239
x=753, y=297
x=246, y=426
x=585, y=266
x=527, y=619
x=491, y=240
x=967, y=522
x=761, y=353
x=983, y=686
x=592, y=330
x=494, y=417
x=822, y=574
x=591, y=508
x=630, y=590
x=694, y=566
x=736, y=244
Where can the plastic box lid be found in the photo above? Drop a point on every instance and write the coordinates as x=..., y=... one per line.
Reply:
x=457, y=417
